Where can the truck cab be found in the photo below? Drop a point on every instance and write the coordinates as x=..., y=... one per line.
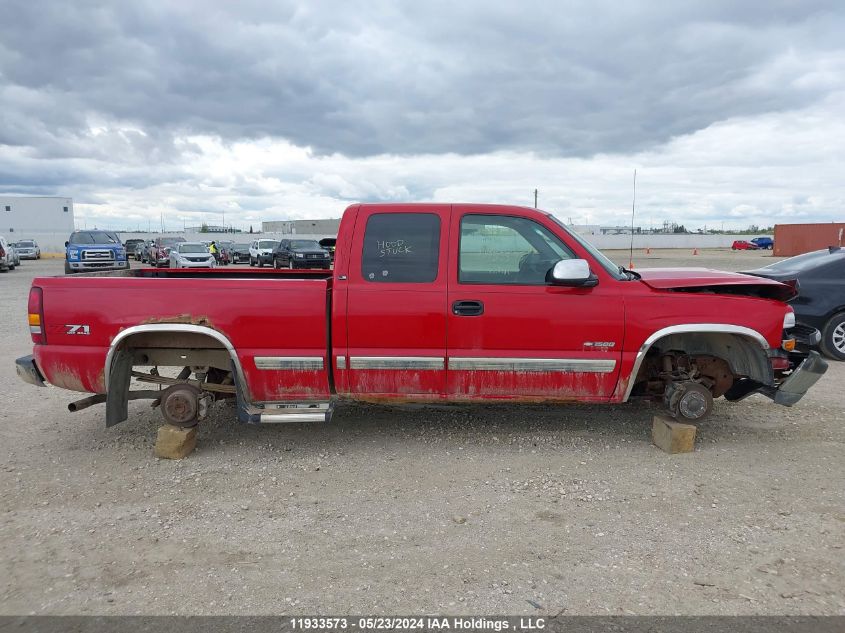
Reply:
x=87, y=251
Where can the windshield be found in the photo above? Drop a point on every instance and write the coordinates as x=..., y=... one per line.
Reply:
x=241, y=247
x=170, y=241
x=192, y=248
x=267, y=243
x=26, y=244
x=600, y=257
x=94, y=238
x=806, y=261
x=305, y=244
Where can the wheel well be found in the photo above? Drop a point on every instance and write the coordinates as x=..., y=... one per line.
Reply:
x=171, y=344
x=833, y=313
x=168, y=342
x=744, y=355
x=176, y=349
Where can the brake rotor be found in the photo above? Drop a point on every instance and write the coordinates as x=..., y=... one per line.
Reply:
x=689, y=401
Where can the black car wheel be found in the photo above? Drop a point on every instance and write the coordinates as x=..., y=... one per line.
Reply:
x=833, y=337
x=290, y=264
x=68, y=271
x=276, y=263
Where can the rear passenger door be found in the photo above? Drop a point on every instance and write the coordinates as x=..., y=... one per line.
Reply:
x=396, y=303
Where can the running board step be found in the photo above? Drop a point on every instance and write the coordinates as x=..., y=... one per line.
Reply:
x=291, y=414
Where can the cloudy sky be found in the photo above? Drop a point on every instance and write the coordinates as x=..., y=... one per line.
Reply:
x=733, y=113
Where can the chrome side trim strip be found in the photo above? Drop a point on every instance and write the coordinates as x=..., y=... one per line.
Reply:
x=175, y=327
x=300, y=363
x=397, y=362
x=580, y=365
x=341, y=362
x=690, y=328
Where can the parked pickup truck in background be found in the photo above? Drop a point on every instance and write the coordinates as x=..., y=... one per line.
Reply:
x=159, y=252
x=426, y=303
x=86, y=251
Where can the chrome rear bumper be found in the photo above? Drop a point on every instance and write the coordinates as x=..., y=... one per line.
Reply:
x=28, y=371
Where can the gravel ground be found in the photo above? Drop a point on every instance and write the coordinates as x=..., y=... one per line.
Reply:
x=522, y=510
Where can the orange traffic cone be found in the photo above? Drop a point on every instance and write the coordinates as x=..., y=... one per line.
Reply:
x=647, y=250
x=695, y=251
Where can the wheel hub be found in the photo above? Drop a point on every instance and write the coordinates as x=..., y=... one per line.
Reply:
x=179, y=405
x=688, y=400
x=692, y=405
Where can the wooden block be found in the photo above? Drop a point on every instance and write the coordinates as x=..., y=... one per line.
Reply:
x=173, y=442
x=672, y=436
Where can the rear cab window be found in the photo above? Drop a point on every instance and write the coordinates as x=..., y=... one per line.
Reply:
x=401, y=248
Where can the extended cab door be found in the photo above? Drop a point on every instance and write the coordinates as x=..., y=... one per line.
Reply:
x=396, y=303
x=513, y=335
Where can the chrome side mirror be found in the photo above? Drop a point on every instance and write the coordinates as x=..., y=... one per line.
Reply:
x=571, y=272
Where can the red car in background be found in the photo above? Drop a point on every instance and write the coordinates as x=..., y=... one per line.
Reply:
x=742, y=245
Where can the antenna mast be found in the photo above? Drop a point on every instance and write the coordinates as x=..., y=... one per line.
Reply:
x=633, y=206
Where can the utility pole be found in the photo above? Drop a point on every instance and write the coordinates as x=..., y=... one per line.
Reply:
x=535, y=198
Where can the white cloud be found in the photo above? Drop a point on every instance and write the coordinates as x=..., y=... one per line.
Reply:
x=777, y=167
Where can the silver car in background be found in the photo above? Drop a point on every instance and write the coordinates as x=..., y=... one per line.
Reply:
x=27, y=249
x=7, y=255
x=191, y=255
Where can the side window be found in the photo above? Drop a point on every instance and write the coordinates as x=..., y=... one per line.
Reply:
x=401, y=248
x=501, y=249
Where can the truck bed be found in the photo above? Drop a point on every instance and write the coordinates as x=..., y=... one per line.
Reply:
x=221, y=272
x=264, y=317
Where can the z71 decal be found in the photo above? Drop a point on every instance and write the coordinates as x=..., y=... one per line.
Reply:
x=78, y=329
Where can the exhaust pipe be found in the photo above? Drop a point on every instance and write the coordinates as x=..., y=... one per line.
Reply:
x=97, y=398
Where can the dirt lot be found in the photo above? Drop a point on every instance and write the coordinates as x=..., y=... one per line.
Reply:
x=523, y=510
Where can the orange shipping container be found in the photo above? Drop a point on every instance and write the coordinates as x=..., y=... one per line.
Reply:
x=794, y=239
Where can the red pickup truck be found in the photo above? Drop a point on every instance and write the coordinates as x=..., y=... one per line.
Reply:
x=426, y=302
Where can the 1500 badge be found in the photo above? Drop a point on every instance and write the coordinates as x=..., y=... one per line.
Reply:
x=78, y=329
x=605, y=344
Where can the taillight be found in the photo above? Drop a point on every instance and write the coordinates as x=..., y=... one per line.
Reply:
x=35, y=307
x=2, y=252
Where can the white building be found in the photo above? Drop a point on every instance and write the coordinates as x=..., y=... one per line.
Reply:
x=48, y=220
x=327, y=228
x=31, y=213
